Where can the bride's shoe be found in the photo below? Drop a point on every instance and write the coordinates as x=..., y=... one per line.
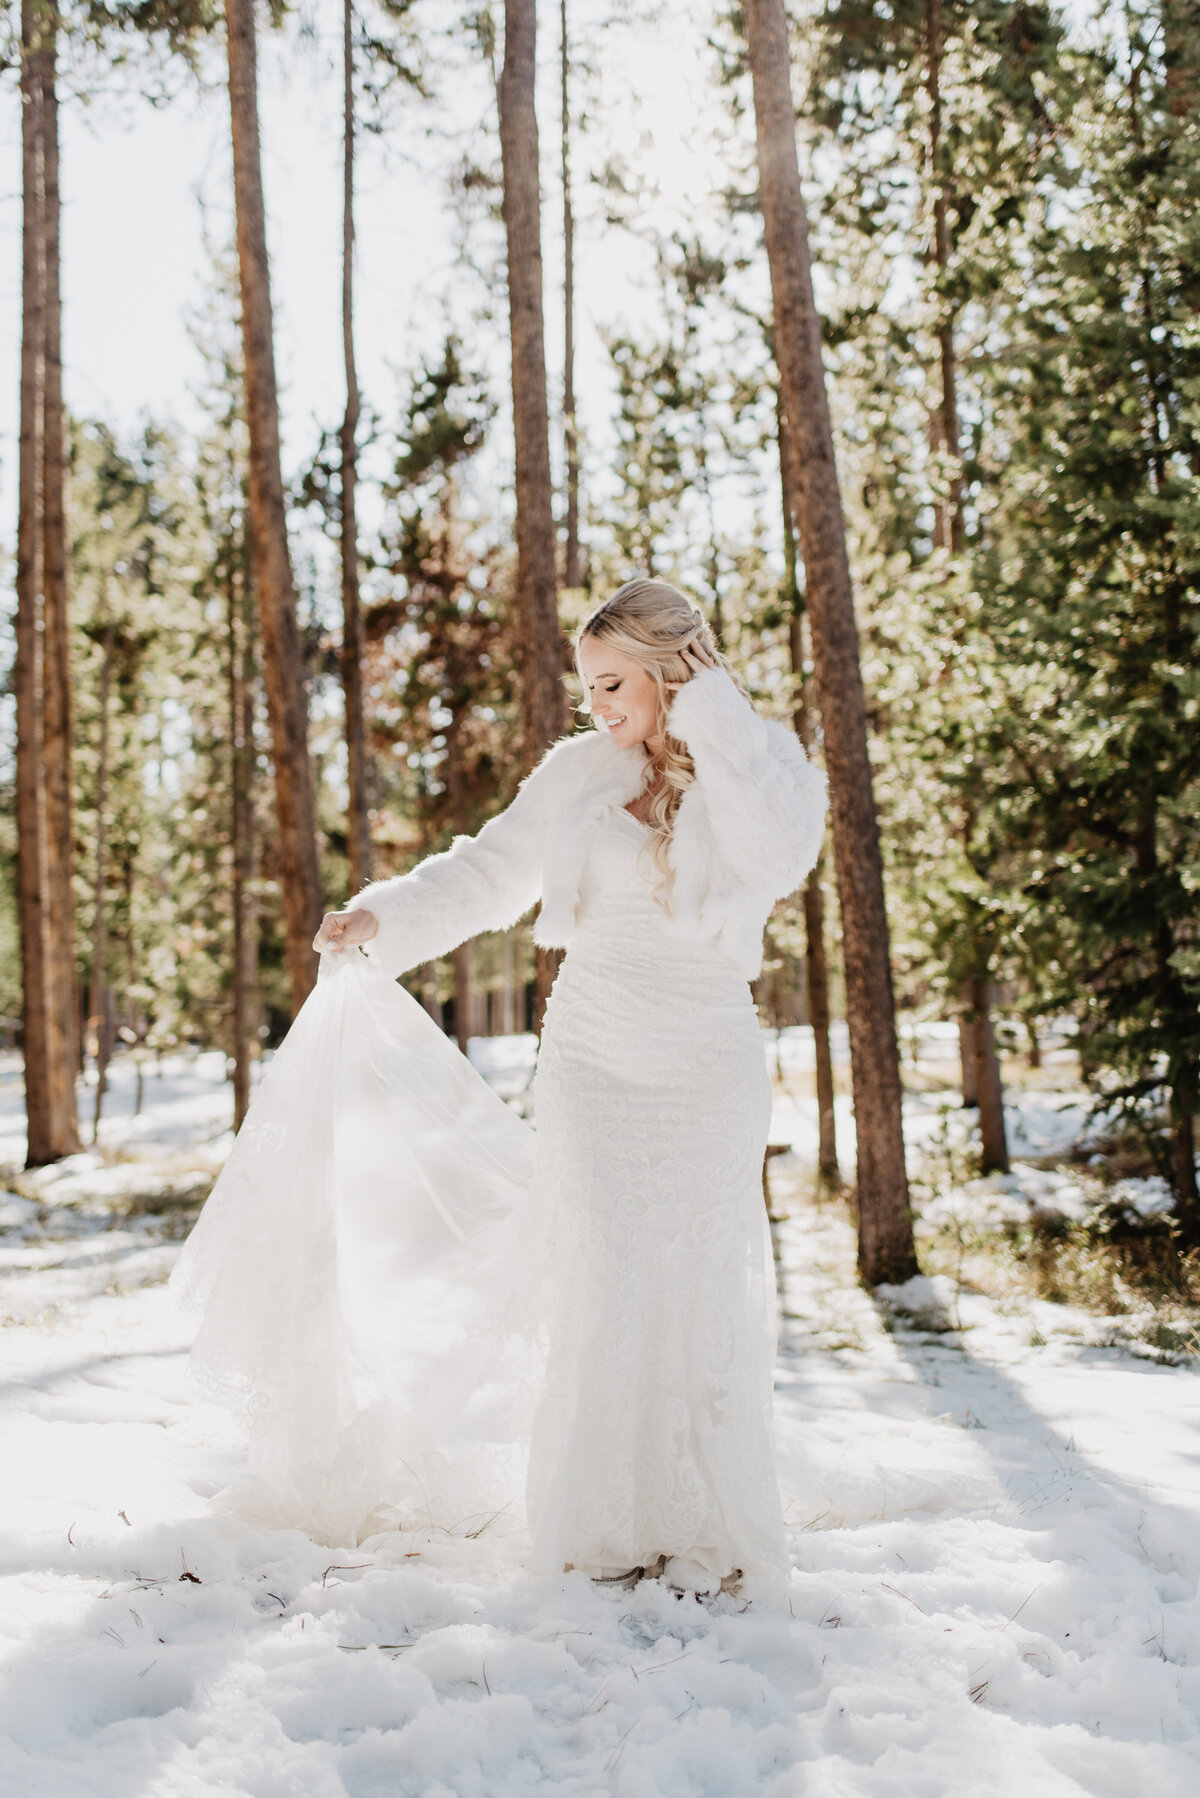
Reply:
x=688, y=1576
x=617, y=1579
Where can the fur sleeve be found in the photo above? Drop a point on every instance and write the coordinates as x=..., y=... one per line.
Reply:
x=485, y=882
x=764, y=798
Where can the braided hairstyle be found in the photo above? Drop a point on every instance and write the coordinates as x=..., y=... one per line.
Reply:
x=652, y=623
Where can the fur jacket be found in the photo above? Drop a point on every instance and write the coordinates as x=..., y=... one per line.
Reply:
x=747, y=832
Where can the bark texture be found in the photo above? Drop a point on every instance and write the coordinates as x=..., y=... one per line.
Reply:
x=1183, y=1152
x=429, y=992
x=945, y=431
x=99, y=1005
x=886, y=1250
x=58, y=718
x=241, y=832
x=572, y=560
x=967, y=1055
x=815, y=960
x=540, y=640
x=283, y=658
x=41, y=672
x=817, y=971
x=993, y=1139
x=358, y=824
x=462, y=960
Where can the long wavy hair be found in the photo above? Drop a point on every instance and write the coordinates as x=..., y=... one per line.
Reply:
x=652, y=623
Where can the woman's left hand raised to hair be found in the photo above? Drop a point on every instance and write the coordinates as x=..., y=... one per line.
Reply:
x=697, y=658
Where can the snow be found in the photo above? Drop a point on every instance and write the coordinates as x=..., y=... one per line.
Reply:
x=994, y=1518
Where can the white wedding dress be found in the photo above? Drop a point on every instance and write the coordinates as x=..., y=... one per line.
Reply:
x=416, y=1304
x=654, y=1433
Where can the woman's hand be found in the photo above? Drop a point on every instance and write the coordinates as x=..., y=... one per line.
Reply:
x=344, y=929
x=697, y=658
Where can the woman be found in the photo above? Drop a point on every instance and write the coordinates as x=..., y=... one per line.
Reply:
x=657, y=844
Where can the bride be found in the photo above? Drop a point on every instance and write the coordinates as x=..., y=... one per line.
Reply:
x=656, y=843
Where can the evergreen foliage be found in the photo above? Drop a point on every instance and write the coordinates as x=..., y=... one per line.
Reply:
x=1008, y=263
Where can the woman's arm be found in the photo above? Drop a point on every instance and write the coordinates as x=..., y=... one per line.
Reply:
x=765, y=800
x=485, y=882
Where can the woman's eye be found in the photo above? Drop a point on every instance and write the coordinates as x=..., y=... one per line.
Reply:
x=613, y=688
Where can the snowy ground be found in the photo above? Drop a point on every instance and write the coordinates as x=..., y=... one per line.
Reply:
x=995, y=1523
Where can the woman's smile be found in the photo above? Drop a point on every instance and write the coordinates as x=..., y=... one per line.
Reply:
x=621, y=695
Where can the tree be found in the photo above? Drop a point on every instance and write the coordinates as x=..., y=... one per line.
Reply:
x=816, y=960
x=572, y=561
x=886, y=1250
x=384, y=57
x=242, y=681
x=968, y=91
x=220, y=483
x=541, y=650
x=283, y=658
x=691, y=420
x=1093, y=601
x=42, y=673
x=440, y=646
x=358, y=827
x=542, y=654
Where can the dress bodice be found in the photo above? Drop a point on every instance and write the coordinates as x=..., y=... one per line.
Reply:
x=618, y=910
x=620, y=875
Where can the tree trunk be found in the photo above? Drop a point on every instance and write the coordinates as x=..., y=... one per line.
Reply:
x=514, y=1020
x=1183, y=1152
x=818, y=1011
x=944, y=426
x=32, y=852
x=548, y=962
x=283, y=658
x=967, y=1055
x=539, y=639
x=992, y=1136
x=1035, y=1043
x=816, y=963
x=57, y=719
x=241, y=832
x=464, y=995
x=358, y=826
x=429, y=992
x=27, y=668
x=572, y=562
x=945, y=435
x=885, y=1239
x=98, y=1006
x=1181, y=55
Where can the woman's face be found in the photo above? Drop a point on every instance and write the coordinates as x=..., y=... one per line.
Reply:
x=621, y=695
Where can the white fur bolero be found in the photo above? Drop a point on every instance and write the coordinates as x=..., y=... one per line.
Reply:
x=747, y=832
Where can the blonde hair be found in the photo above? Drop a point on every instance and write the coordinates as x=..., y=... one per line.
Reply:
x=652, y=623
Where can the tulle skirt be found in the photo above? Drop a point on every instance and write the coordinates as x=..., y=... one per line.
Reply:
x=366, y=1274
x=400, y=1288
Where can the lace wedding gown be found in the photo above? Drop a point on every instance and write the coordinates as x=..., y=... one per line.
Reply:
x=654, y=1433
x=392, y=1263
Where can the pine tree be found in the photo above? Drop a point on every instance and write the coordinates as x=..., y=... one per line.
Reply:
x=42, y=674
x=1095, y=593
x=274, y=584
x=886, y=1249
x=542, y=649
x=572, y=559
x=441, y=644
x=386, y=53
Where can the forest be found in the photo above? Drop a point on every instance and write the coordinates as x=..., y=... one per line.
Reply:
x=912, y=409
